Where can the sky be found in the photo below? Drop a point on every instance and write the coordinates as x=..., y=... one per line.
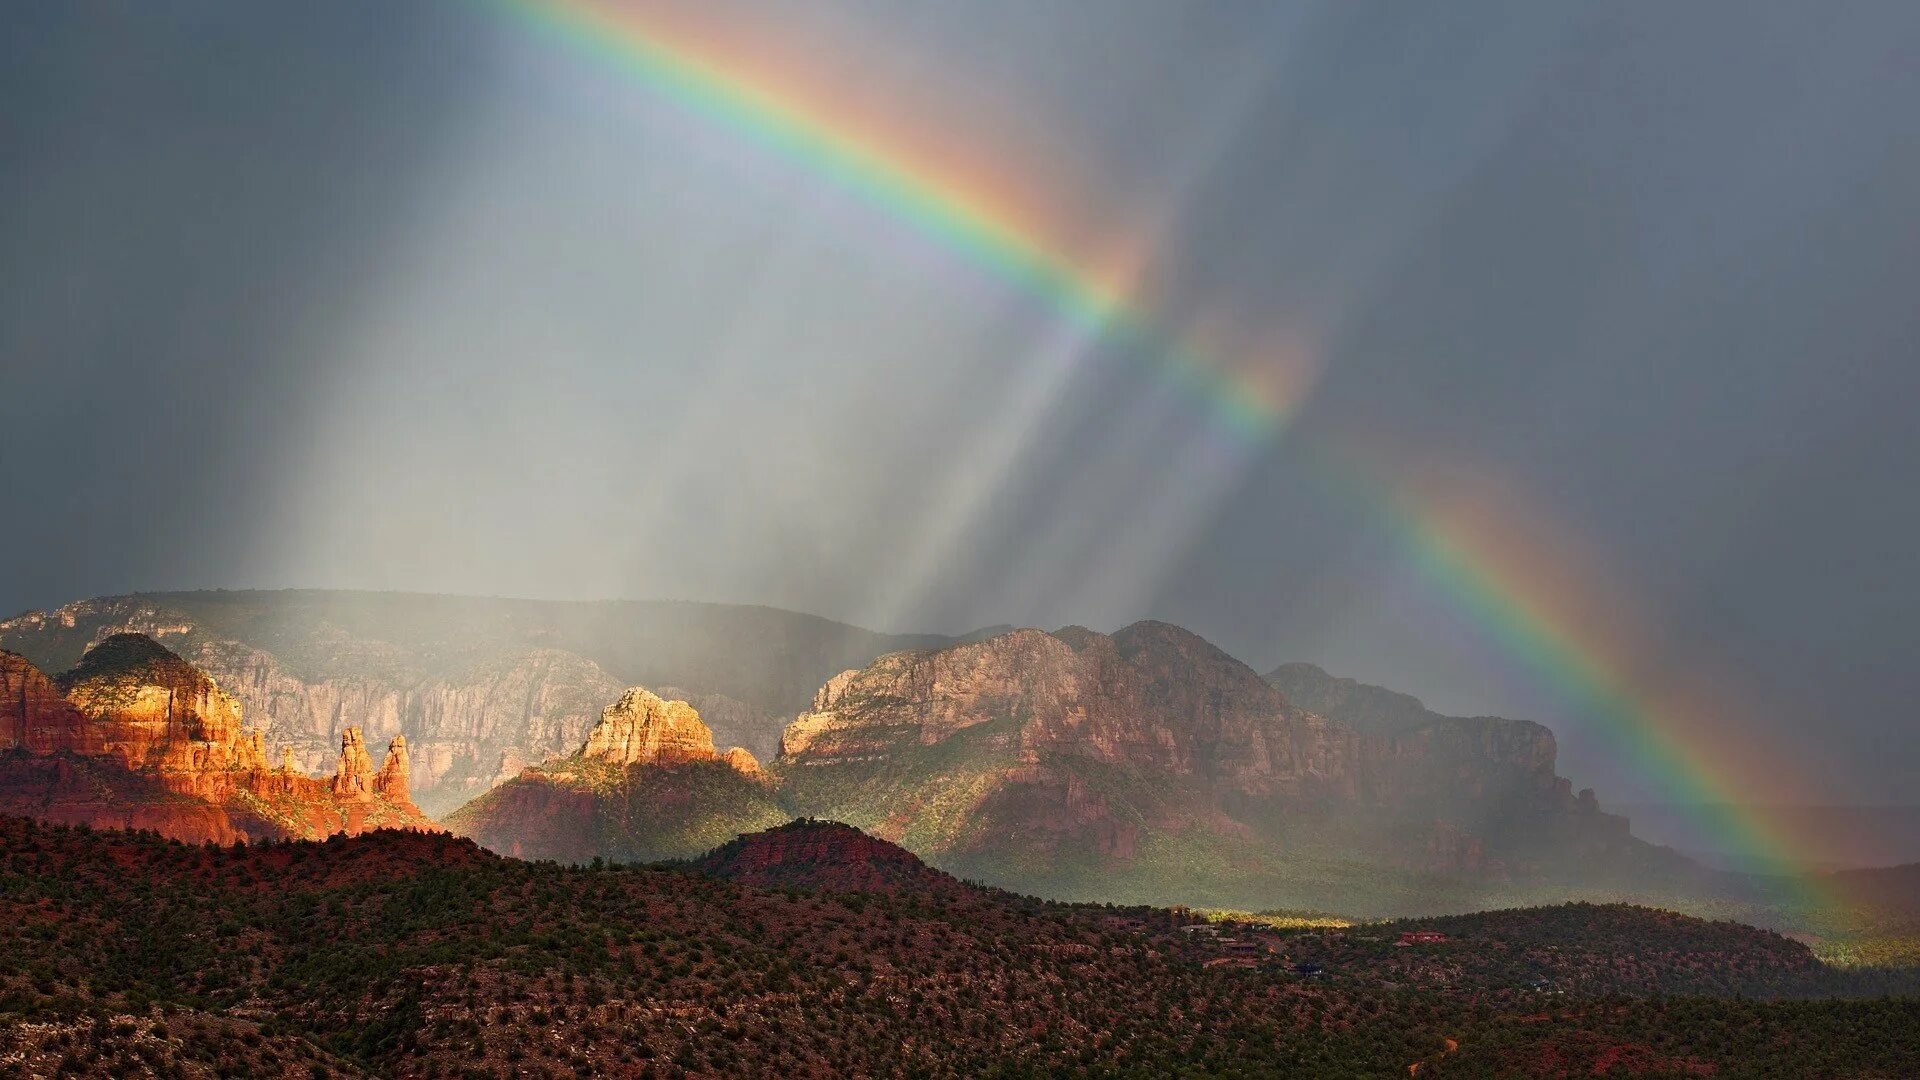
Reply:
x=426, y=296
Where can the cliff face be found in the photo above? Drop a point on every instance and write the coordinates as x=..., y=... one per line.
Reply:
x=34, y=715
x=1033, y=749
x=481, y=688
x=641, y=729
x=1152, y=699
x=136, y=737
x=466, y=730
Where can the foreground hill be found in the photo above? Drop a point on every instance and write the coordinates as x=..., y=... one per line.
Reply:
x=135, y=737
x=481, y=687
x=1151, y=766
x=419, y=955
x=824, y=855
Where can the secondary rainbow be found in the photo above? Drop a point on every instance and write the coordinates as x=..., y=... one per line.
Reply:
x=1525, y=615
x=1243, y=400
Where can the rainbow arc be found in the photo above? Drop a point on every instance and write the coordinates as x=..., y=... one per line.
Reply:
x=1534, y=620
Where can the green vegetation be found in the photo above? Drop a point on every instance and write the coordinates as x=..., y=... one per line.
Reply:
x=420, y=955
x=577, y=808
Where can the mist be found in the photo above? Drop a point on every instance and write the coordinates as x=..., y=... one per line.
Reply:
x=419, y=298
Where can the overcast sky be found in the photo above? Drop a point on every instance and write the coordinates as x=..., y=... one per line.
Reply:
x=414, y=296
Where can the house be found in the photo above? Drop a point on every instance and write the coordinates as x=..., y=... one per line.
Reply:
x=1421, y=937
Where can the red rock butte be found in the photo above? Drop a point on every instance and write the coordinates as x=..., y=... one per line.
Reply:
x=644, y=729
x=136, y=737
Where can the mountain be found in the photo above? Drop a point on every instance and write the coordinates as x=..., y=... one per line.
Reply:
x=135, y=737
x=481, y=687
x=393, y=954
x=1371, y=710
x=826, y=855
x=1151, y=766
x=648, y=784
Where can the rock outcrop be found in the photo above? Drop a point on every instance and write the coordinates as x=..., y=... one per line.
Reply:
x=135, y=737
x=353, y=777
x=742, y=761
x=391, y=780
x=646, y=785
x=641, y=729
x=1372, y=710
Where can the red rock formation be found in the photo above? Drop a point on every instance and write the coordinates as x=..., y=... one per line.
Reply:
x=1153, y=697
x=68, y=789
x=34, y=715
x=1088, y=741
x=394, y=771
x=353, y=777
x=647, y=785
x=481, y=688
x=744, y=762
x=156, y=713
x=465, y=731
x=135, y=737
x=641, y=729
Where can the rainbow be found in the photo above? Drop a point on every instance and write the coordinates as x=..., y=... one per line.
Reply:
x=1246, y=400
x=1507, y=578
x=1534, y=618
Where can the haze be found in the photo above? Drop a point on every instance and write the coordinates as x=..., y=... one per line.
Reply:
x=413, y=297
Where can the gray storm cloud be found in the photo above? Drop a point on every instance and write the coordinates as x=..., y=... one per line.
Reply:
x=415, y=298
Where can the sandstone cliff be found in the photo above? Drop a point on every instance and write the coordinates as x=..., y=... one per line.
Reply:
x=34, y=715
x=133, y=736
x=481, y=688
x=641, y=729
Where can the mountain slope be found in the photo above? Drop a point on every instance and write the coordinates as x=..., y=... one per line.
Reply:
x=825, y=855
x=1150, y=765
x=648, y=784
x=481, y=687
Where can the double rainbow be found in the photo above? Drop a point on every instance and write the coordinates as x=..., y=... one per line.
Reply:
x=1532, y=619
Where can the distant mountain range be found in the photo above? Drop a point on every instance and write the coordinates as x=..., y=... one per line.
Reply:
x=1145, y=766
x=1142, y=766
